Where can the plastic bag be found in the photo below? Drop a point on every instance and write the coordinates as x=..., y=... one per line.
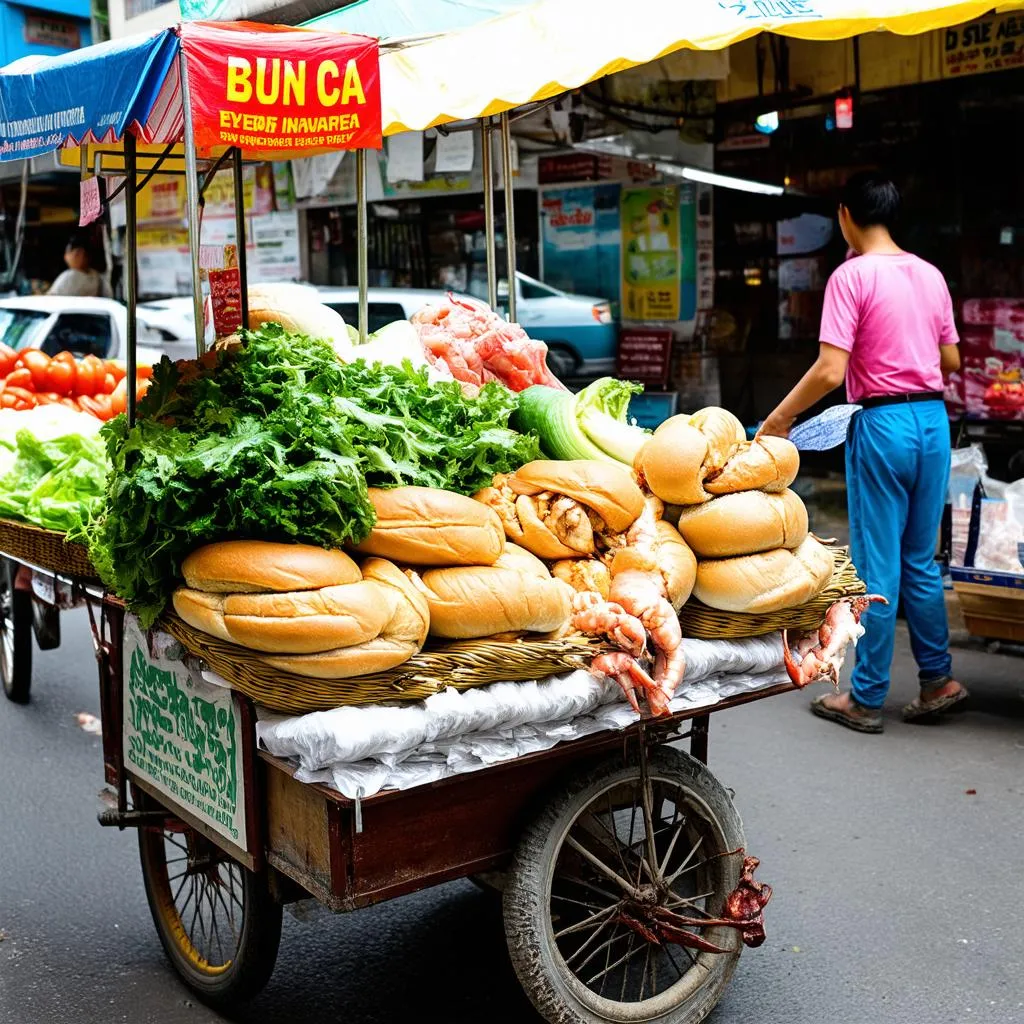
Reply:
x=1001, y=532
x=968, y=468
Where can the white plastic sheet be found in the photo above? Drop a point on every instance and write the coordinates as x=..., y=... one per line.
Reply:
x=362, y=750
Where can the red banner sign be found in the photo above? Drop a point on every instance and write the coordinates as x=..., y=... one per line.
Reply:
x=281, y=92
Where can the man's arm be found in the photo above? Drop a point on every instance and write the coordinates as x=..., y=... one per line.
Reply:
x=949, y=359
x=824, y=376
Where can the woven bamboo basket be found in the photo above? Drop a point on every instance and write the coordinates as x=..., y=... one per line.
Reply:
x=704, y=623
x=45, y=549
x=463, y=665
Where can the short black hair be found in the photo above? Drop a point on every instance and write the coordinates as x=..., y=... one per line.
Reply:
x=871, y=199
x=79, y=241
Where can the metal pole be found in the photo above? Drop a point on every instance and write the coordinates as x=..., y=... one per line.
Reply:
x=362, y=263
x=243, y=275
x=486, y=156
x=510, y=217
x=192, y=206
x=131, y=271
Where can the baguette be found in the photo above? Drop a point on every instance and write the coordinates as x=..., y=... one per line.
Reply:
x=423, y=526
x=766, y=582
x=259, y=566
x=517, y=594
x=744, y=523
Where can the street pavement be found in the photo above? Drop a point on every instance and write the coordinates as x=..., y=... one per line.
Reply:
x=896, y=862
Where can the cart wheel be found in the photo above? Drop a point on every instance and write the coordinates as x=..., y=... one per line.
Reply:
x=15, y=635
x=217, y=921
x=588, y=876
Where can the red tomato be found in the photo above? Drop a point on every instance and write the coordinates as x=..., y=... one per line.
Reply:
x=107, y=385
x=117, y=368
x=141, y=387
x=119, y=397
x=144, y=372
x=85, y=379
x=21, y=377
x=62, y=376
x=65, y=357
x=20, y=398
x=38, y=363
x=99, y=406
x=8, y=357
x=69, y=402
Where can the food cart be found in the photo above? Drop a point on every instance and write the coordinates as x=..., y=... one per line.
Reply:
x=628, y=892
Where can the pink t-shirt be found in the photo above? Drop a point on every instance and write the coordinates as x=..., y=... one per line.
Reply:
x=891, y=313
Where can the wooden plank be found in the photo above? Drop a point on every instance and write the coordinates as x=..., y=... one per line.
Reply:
x=297, y=832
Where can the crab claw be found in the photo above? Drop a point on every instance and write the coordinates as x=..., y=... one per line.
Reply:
x=858, y=605
x=792, y=668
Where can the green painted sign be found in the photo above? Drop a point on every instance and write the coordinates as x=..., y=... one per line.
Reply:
x=183, y=736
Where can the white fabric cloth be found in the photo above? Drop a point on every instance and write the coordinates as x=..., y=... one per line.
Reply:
x=362, y=750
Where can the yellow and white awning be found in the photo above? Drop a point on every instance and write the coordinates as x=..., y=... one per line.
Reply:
x=536, y=52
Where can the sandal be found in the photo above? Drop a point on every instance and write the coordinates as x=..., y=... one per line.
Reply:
x=861, y=719
x=918, y=708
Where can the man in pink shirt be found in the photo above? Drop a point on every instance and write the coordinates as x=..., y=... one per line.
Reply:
x=887, y=328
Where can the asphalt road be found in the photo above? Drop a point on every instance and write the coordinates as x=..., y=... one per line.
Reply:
x=896, y=862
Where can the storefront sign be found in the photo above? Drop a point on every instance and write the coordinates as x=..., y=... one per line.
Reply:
x=568, y=167
x=645, y=355
x=272, y=90
x=183, y=737
x=226, y=300
x=651, y=262
x=988, y=44
x=43, y=30
x=581, y=240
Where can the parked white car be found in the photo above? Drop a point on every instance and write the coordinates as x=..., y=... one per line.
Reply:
x=578, y=329
x=56, y=323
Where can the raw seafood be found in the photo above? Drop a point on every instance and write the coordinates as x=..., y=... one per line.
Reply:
x=821, y=654
x=478, y=346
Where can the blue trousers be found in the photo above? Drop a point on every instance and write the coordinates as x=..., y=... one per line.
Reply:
x=897, y=473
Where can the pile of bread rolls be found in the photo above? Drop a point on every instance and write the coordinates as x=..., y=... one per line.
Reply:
x=577, y=514
x=435, y=564
x=735, y=510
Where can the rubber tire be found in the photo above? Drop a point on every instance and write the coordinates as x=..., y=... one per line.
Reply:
x=261, y=929
x=17, y=678
x=562, y=362
x=526, y=908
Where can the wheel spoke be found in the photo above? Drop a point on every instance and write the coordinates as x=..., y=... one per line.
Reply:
x=579, y=903
x=617, y=963
x=230, y=917
x=615, y=938
x=589, y=922
x=600, y=865
x=643, y=976
x=682, y=867
x=586, y=945
x=663, y=866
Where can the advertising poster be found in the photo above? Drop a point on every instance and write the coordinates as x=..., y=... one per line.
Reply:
x=991, y=377
x=651, y=258
x=580, y=237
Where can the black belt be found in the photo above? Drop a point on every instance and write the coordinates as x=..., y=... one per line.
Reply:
x=911, y=396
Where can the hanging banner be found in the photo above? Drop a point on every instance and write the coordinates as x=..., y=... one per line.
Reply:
x=581, y=242
x=279, y=92
x=651, y=262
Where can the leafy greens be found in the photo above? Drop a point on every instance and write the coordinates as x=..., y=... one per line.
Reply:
x=276, y=439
